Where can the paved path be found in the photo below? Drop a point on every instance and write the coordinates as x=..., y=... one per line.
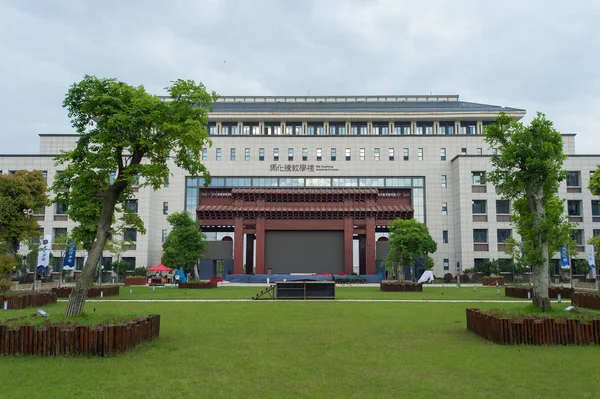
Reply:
x=312, y=300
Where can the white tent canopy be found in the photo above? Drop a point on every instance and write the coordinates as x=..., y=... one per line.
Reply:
x=427, y=277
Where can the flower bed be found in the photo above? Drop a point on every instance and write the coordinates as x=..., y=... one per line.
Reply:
x=397, y=286
x=590, y=301
x=198, y=284
x=521, y=292
x=492, y=280
x=59, y=340
x=21, y=300
x=503, y=329
x=94, y=292
x=135, y=281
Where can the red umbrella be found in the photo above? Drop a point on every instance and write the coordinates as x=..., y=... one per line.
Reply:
x=159, y=268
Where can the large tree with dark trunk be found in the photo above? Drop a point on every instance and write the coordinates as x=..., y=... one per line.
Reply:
x=527, y=169
x=126, y=137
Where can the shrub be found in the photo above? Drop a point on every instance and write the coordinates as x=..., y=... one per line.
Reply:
x=448, y=277
x=465, y=278
x=134, y=277
x=5, y=285
x=139, y=271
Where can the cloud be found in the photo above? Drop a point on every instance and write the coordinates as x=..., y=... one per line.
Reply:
x=537, y=55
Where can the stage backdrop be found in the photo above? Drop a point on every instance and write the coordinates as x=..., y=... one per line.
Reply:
x=304, y=251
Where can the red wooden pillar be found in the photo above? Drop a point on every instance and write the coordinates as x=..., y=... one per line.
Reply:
x=238, y=246
x=370, y=233
x=348, y=245
x=260, y=246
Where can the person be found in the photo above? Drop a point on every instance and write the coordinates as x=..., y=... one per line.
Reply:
x=176, y=278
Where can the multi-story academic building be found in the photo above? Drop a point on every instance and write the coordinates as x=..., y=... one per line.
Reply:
x=309, y=184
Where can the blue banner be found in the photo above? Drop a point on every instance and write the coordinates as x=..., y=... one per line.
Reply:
x=69, y=262
x=564, y=258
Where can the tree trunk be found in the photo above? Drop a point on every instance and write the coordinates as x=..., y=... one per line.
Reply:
x=196, y=275
x=79, y=293
x=540, y=297
x=399, y=272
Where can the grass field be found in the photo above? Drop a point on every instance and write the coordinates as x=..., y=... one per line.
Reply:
x=464, y=293
x=329, y=349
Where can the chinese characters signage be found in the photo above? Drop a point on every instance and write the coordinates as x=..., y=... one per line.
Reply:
x=301, y=168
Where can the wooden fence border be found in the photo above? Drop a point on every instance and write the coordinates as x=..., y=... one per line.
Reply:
x=78, y=340
x=93, y=292
x=24, y=300
x=521, y=292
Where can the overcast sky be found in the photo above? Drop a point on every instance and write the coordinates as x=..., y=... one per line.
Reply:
x=538, y=55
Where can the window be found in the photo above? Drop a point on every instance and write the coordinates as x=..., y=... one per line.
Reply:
x=444, y=181
x=261, y=154
x=319, y=154
x=166, y=183
x=405, y=152
x=333, y=154
x=232, y=154
x=212, y=129
x=480, y=236
x=446, y=127
x=338, y=129
x=478, y=151
x=131, y=206
x=595, y=208
x=130, y=235
x=479, y=206
x=59, y=232
x=204, y=154
x=577, y=236
x=391, y=154
x=164, y=235
x=444, y=208
x=463, y=151
x=218, y=154
x=361, y=154
x=477, y=177
x=79, y=263
x=573, y=179
x=494, y=151
x=376, y=154
x=503, y=235
x=246, y=154
x=305, y=154
x=596, y=232
x=61, y=209
x=445, y=236
x=503, y=207
x=275, y=154
x=348, y=154
x=311, y=130
x=574, y=207
x=111, y=177
x=290, y=154
x=442, y=154
x=165, y=208
x=419, y=154
x=446, y=264
x=131, y=261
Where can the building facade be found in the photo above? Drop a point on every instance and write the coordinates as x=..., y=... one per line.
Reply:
x=429, y=146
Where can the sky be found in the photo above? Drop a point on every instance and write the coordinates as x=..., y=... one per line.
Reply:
x=539, y=55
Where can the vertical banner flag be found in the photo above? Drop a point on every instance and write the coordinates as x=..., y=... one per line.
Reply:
x=69, y=262
x=44, y=252
x=564, y=258
x=591, y=261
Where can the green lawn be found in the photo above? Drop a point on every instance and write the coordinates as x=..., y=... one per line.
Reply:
x=483, y=293
x=285, y=349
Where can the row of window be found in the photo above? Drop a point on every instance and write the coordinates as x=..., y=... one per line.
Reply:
x=333, y=154
x=378, y=128
x=480, y=236
x=480, y=207
x=128, y=234
x=105, y=263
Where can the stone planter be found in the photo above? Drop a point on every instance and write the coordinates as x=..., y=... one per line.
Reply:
x=396, y=286
x=135, y=281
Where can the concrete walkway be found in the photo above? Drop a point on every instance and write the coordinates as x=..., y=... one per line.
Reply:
x=310, y=300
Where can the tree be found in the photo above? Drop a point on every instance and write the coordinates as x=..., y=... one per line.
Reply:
x=528, y=169
x=20, y=194
x=127, y=133
x=409, y=239
x=185, y=244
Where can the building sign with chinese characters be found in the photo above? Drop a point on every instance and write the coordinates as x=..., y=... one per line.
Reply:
x=311, y=168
